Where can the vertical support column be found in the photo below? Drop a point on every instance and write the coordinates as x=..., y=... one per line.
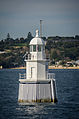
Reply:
x=53, y=91
x=41, y=28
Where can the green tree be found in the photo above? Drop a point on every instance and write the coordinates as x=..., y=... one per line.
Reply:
x=8, y=36
x=29, y=36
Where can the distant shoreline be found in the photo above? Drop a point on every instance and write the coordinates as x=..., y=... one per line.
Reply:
x=60, y=67
x=50, y=67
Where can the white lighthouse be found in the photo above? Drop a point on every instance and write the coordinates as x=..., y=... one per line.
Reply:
x=37, y=84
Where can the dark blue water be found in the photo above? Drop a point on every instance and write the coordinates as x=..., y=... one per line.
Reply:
x=67, y=82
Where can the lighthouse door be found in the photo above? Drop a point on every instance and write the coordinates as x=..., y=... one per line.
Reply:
x=32, y=72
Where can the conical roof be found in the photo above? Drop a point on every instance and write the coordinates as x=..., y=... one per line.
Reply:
x=36, y=40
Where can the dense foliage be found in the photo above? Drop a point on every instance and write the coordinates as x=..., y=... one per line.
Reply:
x=60, y=49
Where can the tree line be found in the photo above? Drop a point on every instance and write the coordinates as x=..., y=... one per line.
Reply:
x=59, y=48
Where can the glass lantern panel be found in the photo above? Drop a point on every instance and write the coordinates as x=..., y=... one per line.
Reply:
x=39, y=48
x=34, y=48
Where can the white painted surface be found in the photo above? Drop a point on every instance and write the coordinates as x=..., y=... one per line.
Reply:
x=36, y=40
x=41, y=73
x=31, y=92
x=36, y=66
x=36, y=70
x=32, y=71
x=36, y=86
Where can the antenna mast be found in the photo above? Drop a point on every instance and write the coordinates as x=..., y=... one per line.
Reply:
x=41, y=28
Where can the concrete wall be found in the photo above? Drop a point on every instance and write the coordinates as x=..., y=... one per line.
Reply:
x=34, y=92
x=36, y=70
x=41, y=71
x=31, y=70
x=29, y=92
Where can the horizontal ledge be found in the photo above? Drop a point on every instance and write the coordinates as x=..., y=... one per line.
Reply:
x=34, y=82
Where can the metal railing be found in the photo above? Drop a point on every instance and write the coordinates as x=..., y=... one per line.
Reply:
x=28, y=57
x=33, y=57
x=50, y=76
x=22, y=75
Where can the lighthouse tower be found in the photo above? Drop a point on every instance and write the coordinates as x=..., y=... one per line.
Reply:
x=37, y=84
